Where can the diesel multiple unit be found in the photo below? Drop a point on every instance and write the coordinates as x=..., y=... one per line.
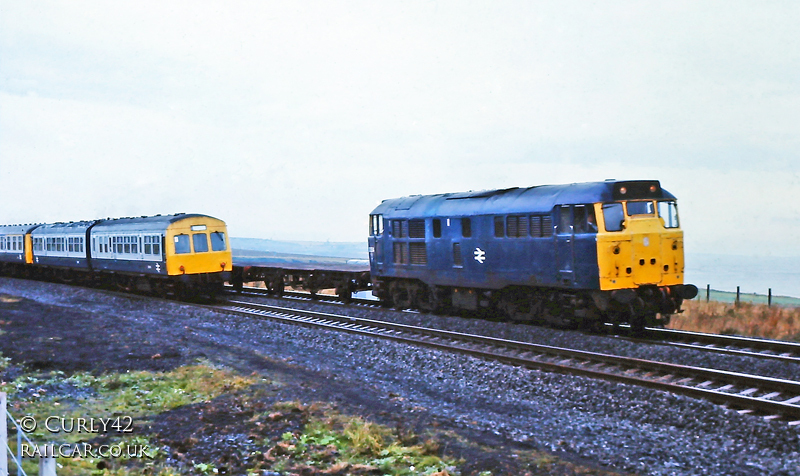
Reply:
x=171, y=254
x=578, y=254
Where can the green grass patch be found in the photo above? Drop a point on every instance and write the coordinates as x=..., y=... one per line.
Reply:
x=352, y=444
x=120, y=399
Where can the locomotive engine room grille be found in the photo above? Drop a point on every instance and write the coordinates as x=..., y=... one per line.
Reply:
x=418, y=253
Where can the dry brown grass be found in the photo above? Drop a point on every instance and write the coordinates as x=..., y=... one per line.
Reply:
x=755, y=320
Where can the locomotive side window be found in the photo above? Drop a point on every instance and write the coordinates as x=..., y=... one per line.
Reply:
x=564, y=221
x=613, y=216
x=669, y=212
x=466, y=227
x=182, y=244
x=218, y=241
x=640, y=208
x=200, y=241
x=499, y=231
x=437, y=228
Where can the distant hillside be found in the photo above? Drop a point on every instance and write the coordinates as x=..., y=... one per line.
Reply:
x=351, y=250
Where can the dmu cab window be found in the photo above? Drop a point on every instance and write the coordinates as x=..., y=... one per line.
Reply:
x=200, y=241
x=668, y=211
x=218, y=241
x=182, y=244
x=613, y=216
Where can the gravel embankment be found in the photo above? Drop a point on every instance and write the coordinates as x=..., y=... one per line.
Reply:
x=618, y=426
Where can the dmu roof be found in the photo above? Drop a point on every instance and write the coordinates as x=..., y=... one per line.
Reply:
x=538, y=199
x=154, y=223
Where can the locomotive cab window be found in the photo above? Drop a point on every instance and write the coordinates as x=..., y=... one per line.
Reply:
x=613, y=216
x=668, y=211
x=640, y=208
x=376, y=225
x=218, y=241
x=584, y=219
x=182, y=244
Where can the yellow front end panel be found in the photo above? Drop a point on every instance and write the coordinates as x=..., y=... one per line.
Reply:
x=28, y=249
x=192, y=262
x=643, y=253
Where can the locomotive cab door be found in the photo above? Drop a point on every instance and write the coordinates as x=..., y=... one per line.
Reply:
x=565, y=240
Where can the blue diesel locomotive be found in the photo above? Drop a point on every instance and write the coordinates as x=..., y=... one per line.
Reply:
x=569, y=255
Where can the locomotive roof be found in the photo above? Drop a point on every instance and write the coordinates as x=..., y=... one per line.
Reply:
x=537, y=199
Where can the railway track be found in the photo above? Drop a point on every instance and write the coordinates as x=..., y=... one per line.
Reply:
x=722, y=344
x=769, y=398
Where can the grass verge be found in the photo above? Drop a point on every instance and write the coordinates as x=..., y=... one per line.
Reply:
x=747, y=319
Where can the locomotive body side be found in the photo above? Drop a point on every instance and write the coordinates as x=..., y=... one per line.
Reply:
x=552, y=253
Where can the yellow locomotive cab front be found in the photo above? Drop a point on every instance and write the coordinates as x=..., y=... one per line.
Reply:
x=639, y=244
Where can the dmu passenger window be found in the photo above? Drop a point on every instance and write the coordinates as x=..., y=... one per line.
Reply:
x=182, y=244
x=218, y=241
x=200, y=241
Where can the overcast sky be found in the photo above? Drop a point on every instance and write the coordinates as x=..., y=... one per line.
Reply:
x=292, y=120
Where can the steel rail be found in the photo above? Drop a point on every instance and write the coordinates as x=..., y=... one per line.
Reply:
x=749, y=392
x=722, y=344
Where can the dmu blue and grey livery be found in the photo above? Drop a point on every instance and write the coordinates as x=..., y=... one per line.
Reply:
x=578, y=254
x=172, y=254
